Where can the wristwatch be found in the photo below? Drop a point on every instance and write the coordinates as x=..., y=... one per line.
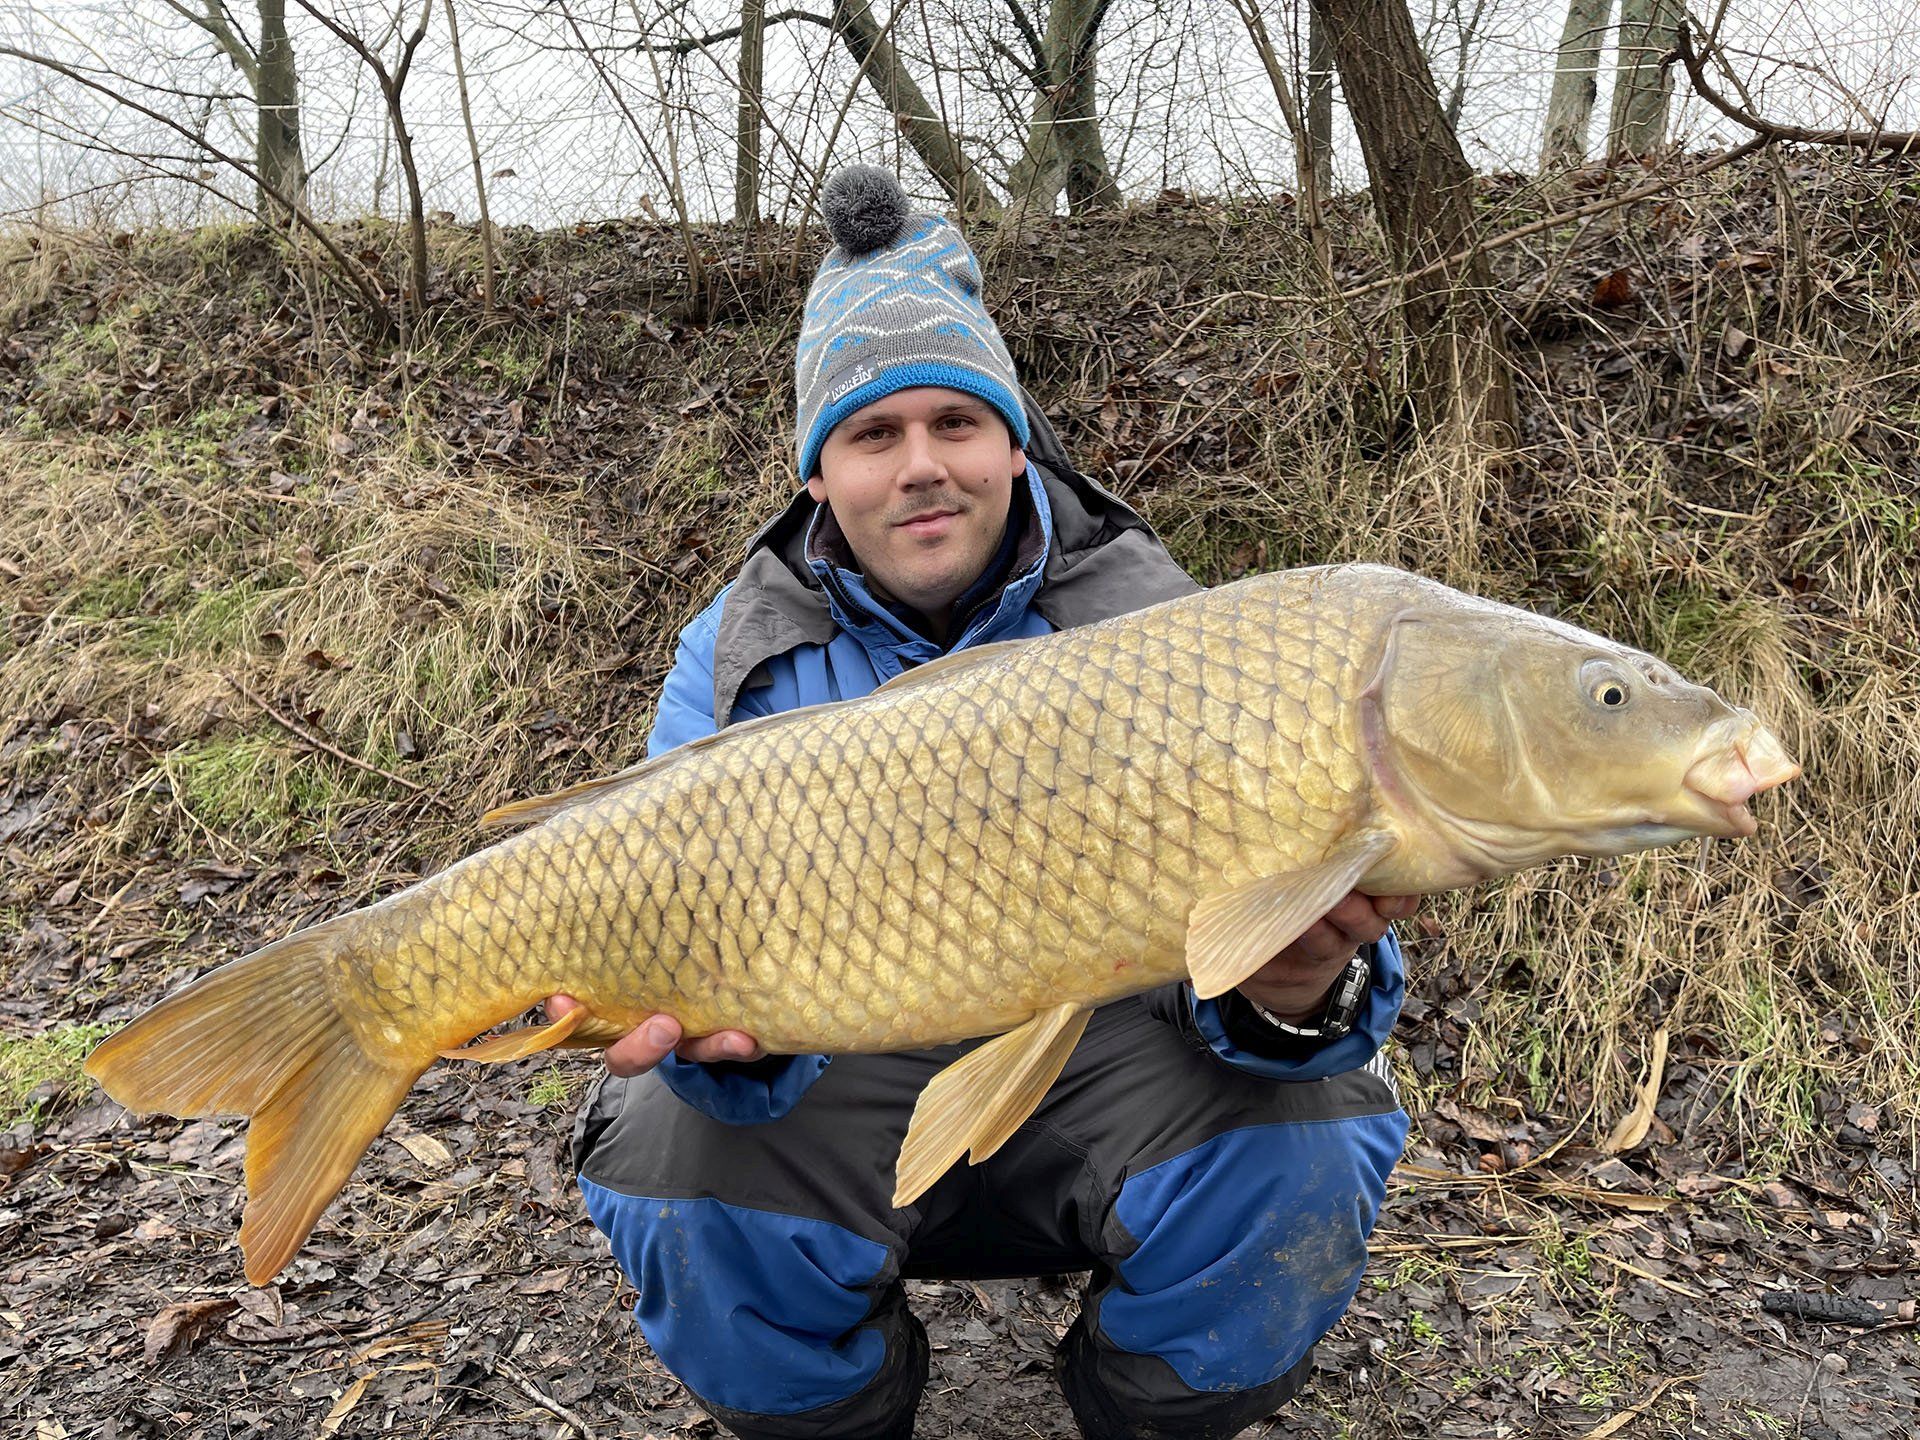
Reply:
x=1344, y=1003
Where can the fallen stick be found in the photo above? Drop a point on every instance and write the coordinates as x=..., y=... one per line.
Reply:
x=308, y=738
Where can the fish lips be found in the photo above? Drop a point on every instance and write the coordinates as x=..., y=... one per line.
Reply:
x=1720, y=782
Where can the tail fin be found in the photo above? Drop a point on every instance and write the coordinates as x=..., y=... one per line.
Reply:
x=261, y=1037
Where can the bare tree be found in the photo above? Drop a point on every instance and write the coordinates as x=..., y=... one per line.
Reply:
x=938, y=148
x=1570, y=106
x=1063, y=148
x=393, y=83
x=1643, y=83
x=268, y=68
x=1462, y=381
x=473, y=150
x=746, y=170
x=202, y=151
x=1320, y=70
x=1306, y=172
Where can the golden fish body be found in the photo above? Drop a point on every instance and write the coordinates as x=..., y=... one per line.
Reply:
x=931, y=864
x=996, y=842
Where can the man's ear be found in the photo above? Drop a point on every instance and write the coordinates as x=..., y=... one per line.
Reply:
x=1019, y=461
x=817, y=488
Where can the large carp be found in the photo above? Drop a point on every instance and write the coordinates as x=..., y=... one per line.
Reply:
x=992, y=844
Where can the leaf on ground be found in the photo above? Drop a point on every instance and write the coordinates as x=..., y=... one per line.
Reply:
x=427, y=1150
x=177, y=1329
x=343, y=1407
x=1633, y=1126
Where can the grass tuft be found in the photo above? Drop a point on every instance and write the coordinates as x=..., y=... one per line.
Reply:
x=36, y=1069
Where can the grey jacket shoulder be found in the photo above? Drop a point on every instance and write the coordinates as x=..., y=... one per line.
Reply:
x=1105, y=560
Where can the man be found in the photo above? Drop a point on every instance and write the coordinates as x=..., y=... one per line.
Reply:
x=1217, y=1165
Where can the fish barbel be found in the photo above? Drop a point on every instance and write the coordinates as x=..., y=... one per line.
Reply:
x=991, y=844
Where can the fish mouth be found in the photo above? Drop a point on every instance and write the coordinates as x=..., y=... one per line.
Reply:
x=1732, y=773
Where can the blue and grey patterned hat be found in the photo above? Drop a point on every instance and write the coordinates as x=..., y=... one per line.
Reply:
x=896, y=304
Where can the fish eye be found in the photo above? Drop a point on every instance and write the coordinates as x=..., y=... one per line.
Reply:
x=1605, y=685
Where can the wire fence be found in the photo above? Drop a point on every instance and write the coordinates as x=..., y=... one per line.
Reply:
x=582, y=111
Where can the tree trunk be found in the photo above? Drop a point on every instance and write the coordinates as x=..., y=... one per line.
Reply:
x=1461, y=383
x=1090, y=182
x=1570, y=106
x=924, y=131
x=487, y=292
x=746, y=166
x=1063, y=148
x=1320, y=67
x=1643, y=87
x=277, y=152
x=1306, y=176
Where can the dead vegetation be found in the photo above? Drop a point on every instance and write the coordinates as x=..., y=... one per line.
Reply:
x=283, y=615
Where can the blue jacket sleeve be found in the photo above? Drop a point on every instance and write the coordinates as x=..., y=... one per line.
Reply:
x=735, y=1094
x=1203, y=1022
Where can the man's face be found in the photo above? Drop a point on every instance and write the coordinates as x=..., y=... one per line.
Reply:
x=920, y=483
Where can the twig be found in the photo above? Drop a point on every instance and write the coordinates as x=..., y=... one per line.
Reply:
x=1497, y=242
x=307, y=737
x=533, y=1392
x=1904, y=141
x=1620, y=1422
x=1648, y=1275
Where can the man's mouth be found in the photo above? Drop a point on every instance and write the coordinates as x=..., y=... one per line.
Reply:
x=927, y=522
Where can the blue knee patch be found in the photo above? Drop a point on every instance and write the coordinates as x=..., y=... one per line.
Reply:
x=1251, y=1246
x=751, y=1309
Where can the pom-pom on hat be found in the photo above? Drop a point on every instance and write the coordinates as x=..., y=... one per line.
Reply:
x=896, y=303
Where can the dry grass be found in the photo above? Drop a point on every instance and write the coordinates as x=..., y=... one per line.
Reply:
x=395, y=600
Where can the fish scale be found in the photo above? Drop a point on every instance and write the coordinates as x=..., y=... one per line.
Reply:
x=674, y=910
x=990, y=845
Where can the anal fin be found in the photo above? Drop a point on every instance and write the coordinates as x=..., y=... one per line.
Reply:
x=518, y=1044
x=976, y=1103
x=1231, y=935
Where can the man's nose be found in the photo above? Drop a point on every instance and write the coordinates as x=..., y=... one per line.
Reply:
x=920, y=463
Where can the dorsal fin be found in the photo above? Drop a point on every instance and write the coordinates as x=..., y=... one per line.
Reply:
x=945, y=666
x=536, y=808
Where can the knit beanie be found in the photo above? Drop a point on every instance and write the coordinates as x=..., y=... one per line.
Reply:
x=896, y=303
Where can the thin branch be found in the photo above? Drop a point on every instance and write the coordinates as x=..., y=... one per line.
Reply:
x=361, y=280
x=314, y=742
x=1497, y=242
x=1024, y=24
x=688, y=44
x=1902, y=141
x=213, y=20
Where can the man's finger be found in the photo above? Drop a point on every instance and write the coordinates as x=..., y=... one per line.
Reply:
x=1360, y=923
x=639, y=1050
x=722, y=1045
x=1397, y=907
x=1322, y=943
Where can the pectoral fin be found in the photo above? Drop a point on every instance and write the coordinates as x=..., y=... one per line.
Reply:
x=1229, y=936
x=594, y=1033
x=518, y=1044
x=977, y=1102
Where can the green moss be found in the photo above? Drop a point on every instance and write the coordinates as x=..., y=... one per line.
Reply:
x=28, y=1062
x=250, y=786
x=109, y=596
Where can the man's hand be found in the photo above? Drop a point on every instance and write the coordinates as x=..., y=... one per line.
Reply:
x=648, y=1043
x=1294, y=984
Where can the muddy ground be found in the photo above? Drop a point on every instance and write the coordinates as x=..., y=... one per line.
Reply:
x=459, y=1289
